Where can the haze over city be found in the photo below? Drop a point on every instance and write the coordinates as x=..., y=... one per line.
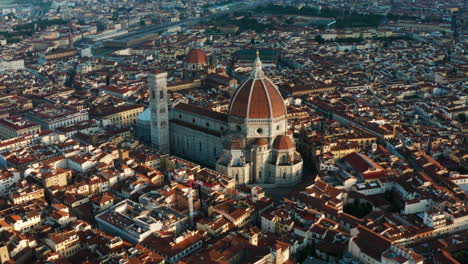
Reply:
x=233, y=131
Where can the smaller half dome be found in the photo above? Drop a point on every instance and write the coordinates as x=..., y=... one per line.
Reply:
x=282, y=143
x=260, y=142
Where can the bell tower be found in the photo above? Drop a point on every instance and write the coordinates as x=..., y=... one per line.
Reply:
x=157, y=86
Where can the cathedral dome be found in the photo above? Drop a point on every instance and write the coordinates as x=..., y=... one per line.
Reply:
x=197, y=56
x=257, y=97
x=283, y=143
x=260, y=142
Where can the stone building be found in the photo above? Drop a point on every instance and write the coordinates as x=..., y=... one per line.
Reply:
x=251, y=143
x=196, y=60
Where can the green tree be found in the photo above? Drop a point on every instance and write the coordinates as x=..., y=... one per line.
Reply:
x=319, y=39
x=461, y=118
x=461, y=255
x=358, y=209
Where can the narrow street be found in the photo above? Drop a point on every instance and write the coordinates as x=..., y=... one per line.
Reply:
x=279, y=193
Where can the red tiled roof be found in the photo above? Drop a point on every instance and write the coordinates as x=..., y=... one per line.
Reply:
x=362, y=163
x=166, y=246
x=371, y=243
x=191, y=108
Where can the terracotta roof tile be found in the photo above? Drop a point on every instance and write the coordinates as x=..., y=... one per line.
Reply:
x=283, y=142
x=197, y=56
x=257, y=98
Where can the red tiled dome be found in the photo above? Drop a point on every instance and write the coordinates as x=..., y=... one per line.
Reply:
x=260, y=142
x=257, y=98
x=282, y=143
x=197, y=56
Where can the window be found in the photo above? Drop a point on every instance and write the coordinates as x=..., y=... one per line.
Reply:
x=259, y=131
x=284, y=175
x=200, y=146
x=161, y=94
x=153, y=95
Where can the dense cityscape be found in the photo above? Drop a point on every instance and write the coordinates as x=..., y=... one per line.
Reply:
x=233, y=131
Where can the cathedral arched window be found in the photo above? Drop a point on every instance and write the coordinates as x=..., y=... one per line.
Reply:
x=161, y=94
x=284, y=175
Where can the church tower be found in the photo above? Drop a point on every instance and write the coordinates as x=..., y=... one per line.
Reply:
x=157, y=85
